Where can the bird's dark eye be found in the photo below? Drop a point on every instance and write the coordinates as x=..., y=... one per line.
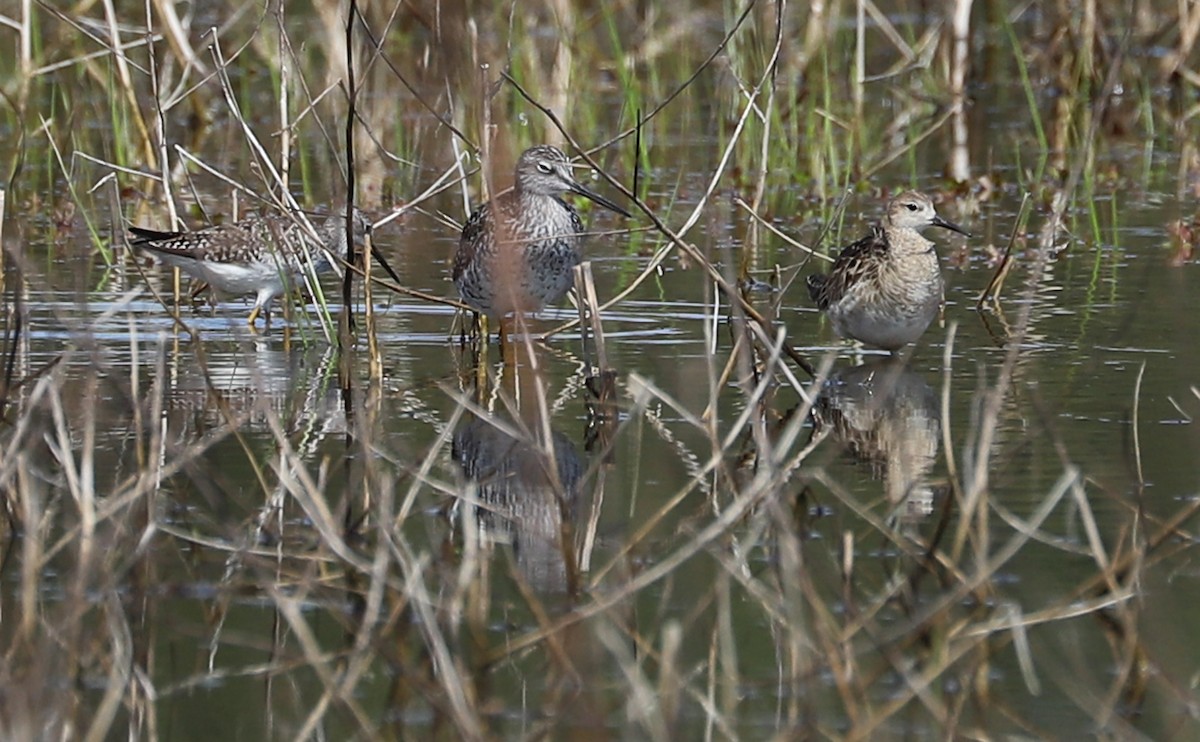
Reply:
x=545, y=168
x=911, y=206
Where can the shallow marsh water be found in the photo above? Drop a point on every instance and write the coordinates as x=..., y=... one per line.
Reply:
x=241, y=601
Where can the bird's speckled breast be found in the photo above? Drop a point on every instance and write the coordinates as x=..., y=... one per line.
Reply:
x=530, y=263
x=900, y=308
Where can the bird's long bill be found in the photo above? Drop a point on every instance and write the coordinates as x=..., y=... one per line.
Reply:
x=577, y=188
x=940, y=222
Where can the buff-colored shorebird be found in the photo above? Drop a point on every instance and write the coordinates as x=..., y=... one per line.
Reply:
x=517, y=251
x=263, y=255
x=885, y=289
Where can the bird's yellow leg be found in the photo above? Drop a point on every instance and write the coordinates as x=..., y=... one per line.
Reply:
x=253, y=315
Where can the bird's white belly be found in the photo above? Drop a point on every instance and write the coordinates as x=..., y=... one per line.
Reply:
x=241, y=279
x=883, y=327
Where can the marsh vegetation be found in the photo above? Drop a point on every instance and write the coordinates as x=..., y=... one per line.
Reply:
x=683, y=510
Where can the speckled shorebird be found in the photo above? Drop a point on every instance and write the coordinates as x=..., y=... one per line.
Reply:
x=517, y=251
x=260, y=254
x=886, y=288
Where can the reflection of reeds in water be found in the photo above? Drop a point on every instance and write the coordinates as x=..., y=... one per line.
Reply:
x=525, y=493
x=886, y=416
x=244, y=397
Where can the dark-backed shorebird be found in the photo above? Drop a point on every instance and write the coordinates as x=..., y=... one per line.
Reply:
x=517, y=251
x=263, y=255
x=886, y=288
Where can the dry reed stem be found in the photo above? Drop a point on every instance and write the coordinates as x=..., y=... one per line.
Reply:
x=11, y=314
x=345, y=326
x=780, y=234
x=285, y=130
x=177, y=37
x=160, y=129
x=589, y=314
x=766, y=118
x=996, y=284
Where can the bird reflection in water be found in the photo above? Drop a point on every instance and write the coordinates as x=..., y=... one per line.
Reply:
x=526, y=494
x=886, y=416
x=254, y=383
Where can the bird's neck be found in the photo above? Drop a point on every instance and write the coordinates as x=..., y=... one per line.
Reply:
x=908, y=241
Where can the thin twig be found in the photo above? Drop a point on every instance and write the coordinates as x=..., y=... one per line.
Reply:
x=997, y=281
